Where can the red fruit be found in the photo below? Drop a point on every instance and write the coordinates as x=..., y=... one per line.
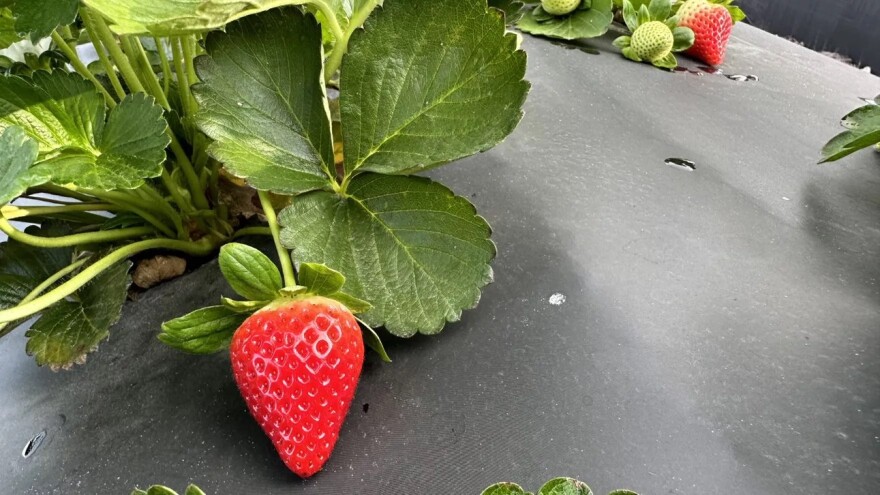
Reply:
x=297, y=365
x=711, y=24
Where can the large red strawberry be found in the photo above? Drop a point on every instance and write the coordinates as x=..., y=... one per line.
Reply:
x=297, y=363
x=711, y=23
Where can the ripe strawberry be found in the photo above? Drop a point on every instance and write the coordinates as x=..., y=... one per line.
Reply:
x=711, y=24
x=652, y=41
x=560, y=7
x=297, y=363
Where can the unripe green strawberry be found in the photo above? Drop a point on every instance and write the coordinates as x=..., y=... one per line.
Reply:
x=560, y=7
x=652, y=41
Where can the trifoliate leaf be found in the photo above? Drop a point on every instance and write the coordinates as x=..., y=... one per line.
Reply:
x=17, y=153
x=264, y=103
x=582, y=23
x=504, y=489
x=565, y=486
x=171, y=17
x=407, y=245
x=68, y=330
x=39, y=18
x=863, y=130
x=250, y=272
x=204, y=331
x=66, y=117
x=426, y=82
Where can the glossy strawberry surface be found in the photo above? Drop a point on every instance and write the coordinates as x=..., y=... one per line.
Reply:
x=297, y=365
x=712, y=25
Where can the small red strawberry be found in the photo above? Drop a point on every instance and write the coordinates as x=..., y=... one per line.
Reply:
x=711, y=24
x=297, y=363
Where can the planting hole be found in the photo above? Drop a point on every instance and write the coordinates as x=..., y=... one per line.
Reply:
x=33, y=444
x=681, y=163
x=366, y=407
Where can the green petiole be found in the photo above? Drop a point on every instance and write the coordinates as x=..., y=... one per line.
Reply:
x=283, y=255
x=73, y=239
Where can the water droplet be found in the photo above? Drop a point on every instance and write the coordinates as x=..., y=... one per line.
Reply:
x=33, y=444
x=689, y=71
x=557, y=299
x=681, y=162
x=710, y=70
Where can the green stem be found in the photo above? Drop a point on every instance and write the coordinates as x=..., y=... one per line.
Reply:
x=109, y=40
x=153, y=196
x=330, y=17
x=172, y=188
x=203, y=247
x=189, y=54
x=195, y=185
x=61, y=191
x=73, y=239
x=109, y=68
x=137, y=206
x=49, y=282
x=183, y=83
x=12, y=212
x=81, y=68
x=334, y=61
x=251, y=231
x=283, y=255
x=166, y=67
x=132, y=47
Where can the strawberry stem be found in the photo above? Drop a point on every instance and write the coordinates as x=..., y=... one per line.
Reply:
x=283, y=255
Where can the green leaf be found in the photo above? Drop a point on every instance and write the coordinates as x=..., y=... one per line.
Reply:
x=667, y=62
x=589, y=23
x=863, y=131
x=513, y=9
x=39, y=18
x=264, y=103
x=204, y=331
x=70, y=329
x=418, y=253
x=631, y=15
x=659, y=10
x=622, y=41
x=565, y=486
x=504, y=489
x=623, y=492
x=8, y=33
x=427, y=82
x=372, y=340
x=355, y=305
x=684, y=38
x=17, y=153
x=250, y=272
x=173, y=17
x=629, y=53
x=160, y=490
x=242, y=306
x=736, y=13
x=66, y=117
x=320, y=279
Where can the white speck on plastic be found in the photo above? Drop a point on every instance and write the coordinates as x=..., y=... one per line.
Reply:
x=557, y=299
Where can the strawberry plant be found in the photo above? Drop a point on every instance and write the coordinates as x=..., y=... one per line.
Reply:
x=862, y=131
x=201, y=117
x=556, y=486
x=655, y=35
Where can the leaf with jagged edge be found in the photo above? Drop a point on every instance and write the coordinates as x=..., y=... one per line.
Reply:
x=79, y=142
x=17, y=153
x=37, y=19
x=70, y=329
x=415, y=251
x=264, y=103
x=427, y=82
